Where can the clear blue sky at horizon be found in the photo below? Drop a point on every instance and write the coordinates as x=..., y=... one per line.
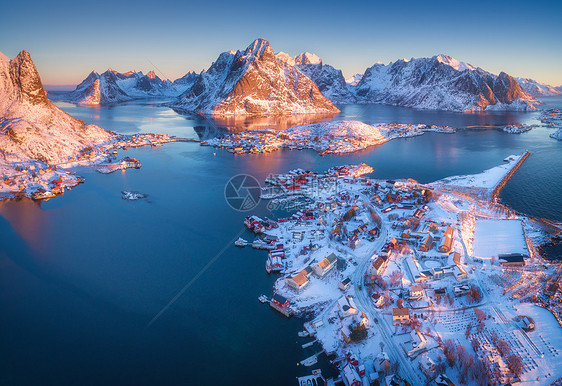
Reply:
x=68, y=39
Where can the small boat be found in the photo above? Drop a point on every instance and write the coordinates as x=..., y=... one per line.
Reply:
x=240, y=242
x=310, y=361
x=303, y=334
x=260, y=244
x=263, y=299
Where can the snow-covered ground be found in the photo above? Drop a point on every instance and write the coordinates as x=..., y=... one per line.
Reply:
x=445, y=289
x=335, y=137
x=493, y=237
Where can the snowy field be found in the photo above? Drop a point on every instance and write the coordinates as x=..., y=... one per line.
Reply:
x=494, y=237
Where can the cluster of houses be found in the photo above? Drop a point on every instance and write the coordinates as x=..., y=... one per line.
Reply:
x=125, y=163
x=299, y=281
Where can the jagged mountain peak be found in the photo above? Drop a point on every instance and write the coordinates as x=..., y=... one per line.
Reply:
x=258, y=48
x=253, y=82
x=151, y=74
x=36, y=129
x=26, y=76
x=441, y=83
x=307, y=58
x=452, y=62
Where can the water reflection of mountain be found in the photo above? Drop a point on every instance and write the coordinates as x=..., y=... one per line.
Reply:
x=209, y=127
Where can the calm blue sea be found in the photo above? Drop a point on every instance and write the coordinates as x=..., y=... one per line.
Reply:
x=82, y=275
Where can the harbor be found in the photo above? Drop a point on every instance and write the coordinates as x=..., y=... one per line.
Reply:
x=365, y=259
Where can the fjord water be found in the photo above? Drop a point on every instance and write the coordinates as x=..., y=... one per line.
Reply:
x=82, y=275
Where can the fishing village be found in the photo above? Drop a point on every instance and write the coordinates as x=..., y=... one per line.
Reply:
x=402, y=283
x=42, y=181
x=335, y=137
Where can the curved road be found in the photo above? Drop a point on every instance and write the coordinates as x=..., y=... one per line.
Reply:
x=363, y=300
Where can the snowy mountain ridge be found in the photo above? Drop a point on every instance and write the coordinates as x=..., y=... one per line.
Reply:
x=441, y=83
x=330, y=81
x=536, y=89
x=113, y=87
x=254, y=82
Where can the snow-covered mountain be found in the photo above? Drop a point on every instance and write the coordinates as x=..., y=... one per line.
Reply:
x=31, y=127
x=253, y=82
x=536, y=89
x=441, y=83
x=113, y=87
x=187, y=81
x=452, y=62
x=354, y=80
x=330, y=81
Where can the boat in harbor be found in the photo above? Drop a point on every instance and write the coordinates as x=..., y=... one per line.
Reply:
x=263, y=299
x=241, y=242
x=260, y=244
x=310, y=361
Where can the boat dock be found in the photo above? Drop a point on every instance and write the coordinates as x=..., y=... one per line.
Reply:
x=496, y=192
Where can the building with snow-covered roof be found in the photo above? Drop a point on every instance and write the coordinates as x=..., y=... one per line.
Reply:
x=400, y=316
x=325, y=265
x=382, y=362
x=344, y=284
x=447, y=241
x=493, y=238
x=297, y=282
x=378, y=266
x=416, y=292
x=427, y=244
x=350, y=376
x=346, y=306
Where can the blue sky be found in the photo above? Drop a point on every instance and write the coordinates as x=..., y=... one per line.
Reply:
x=68, y=39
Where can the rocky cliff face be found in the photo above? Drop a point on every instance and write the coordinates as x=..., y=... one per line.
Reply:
x=188, y=80
x=330, y=81
x=31, y=127
x=441, y=83
x=253, y=82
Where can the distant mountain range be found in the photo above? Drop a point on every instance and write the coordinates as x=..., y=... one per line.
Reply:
x=113, y=87
x=256, y=81
x=31, y=127
x=441, y=83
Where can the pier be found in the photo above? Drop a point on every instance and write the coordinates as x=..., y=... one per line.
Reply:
x=496, y=192
x=176, y=139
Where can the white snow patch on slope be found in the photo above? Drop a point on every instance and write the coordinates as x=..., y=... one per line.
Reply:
x=456, y=64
